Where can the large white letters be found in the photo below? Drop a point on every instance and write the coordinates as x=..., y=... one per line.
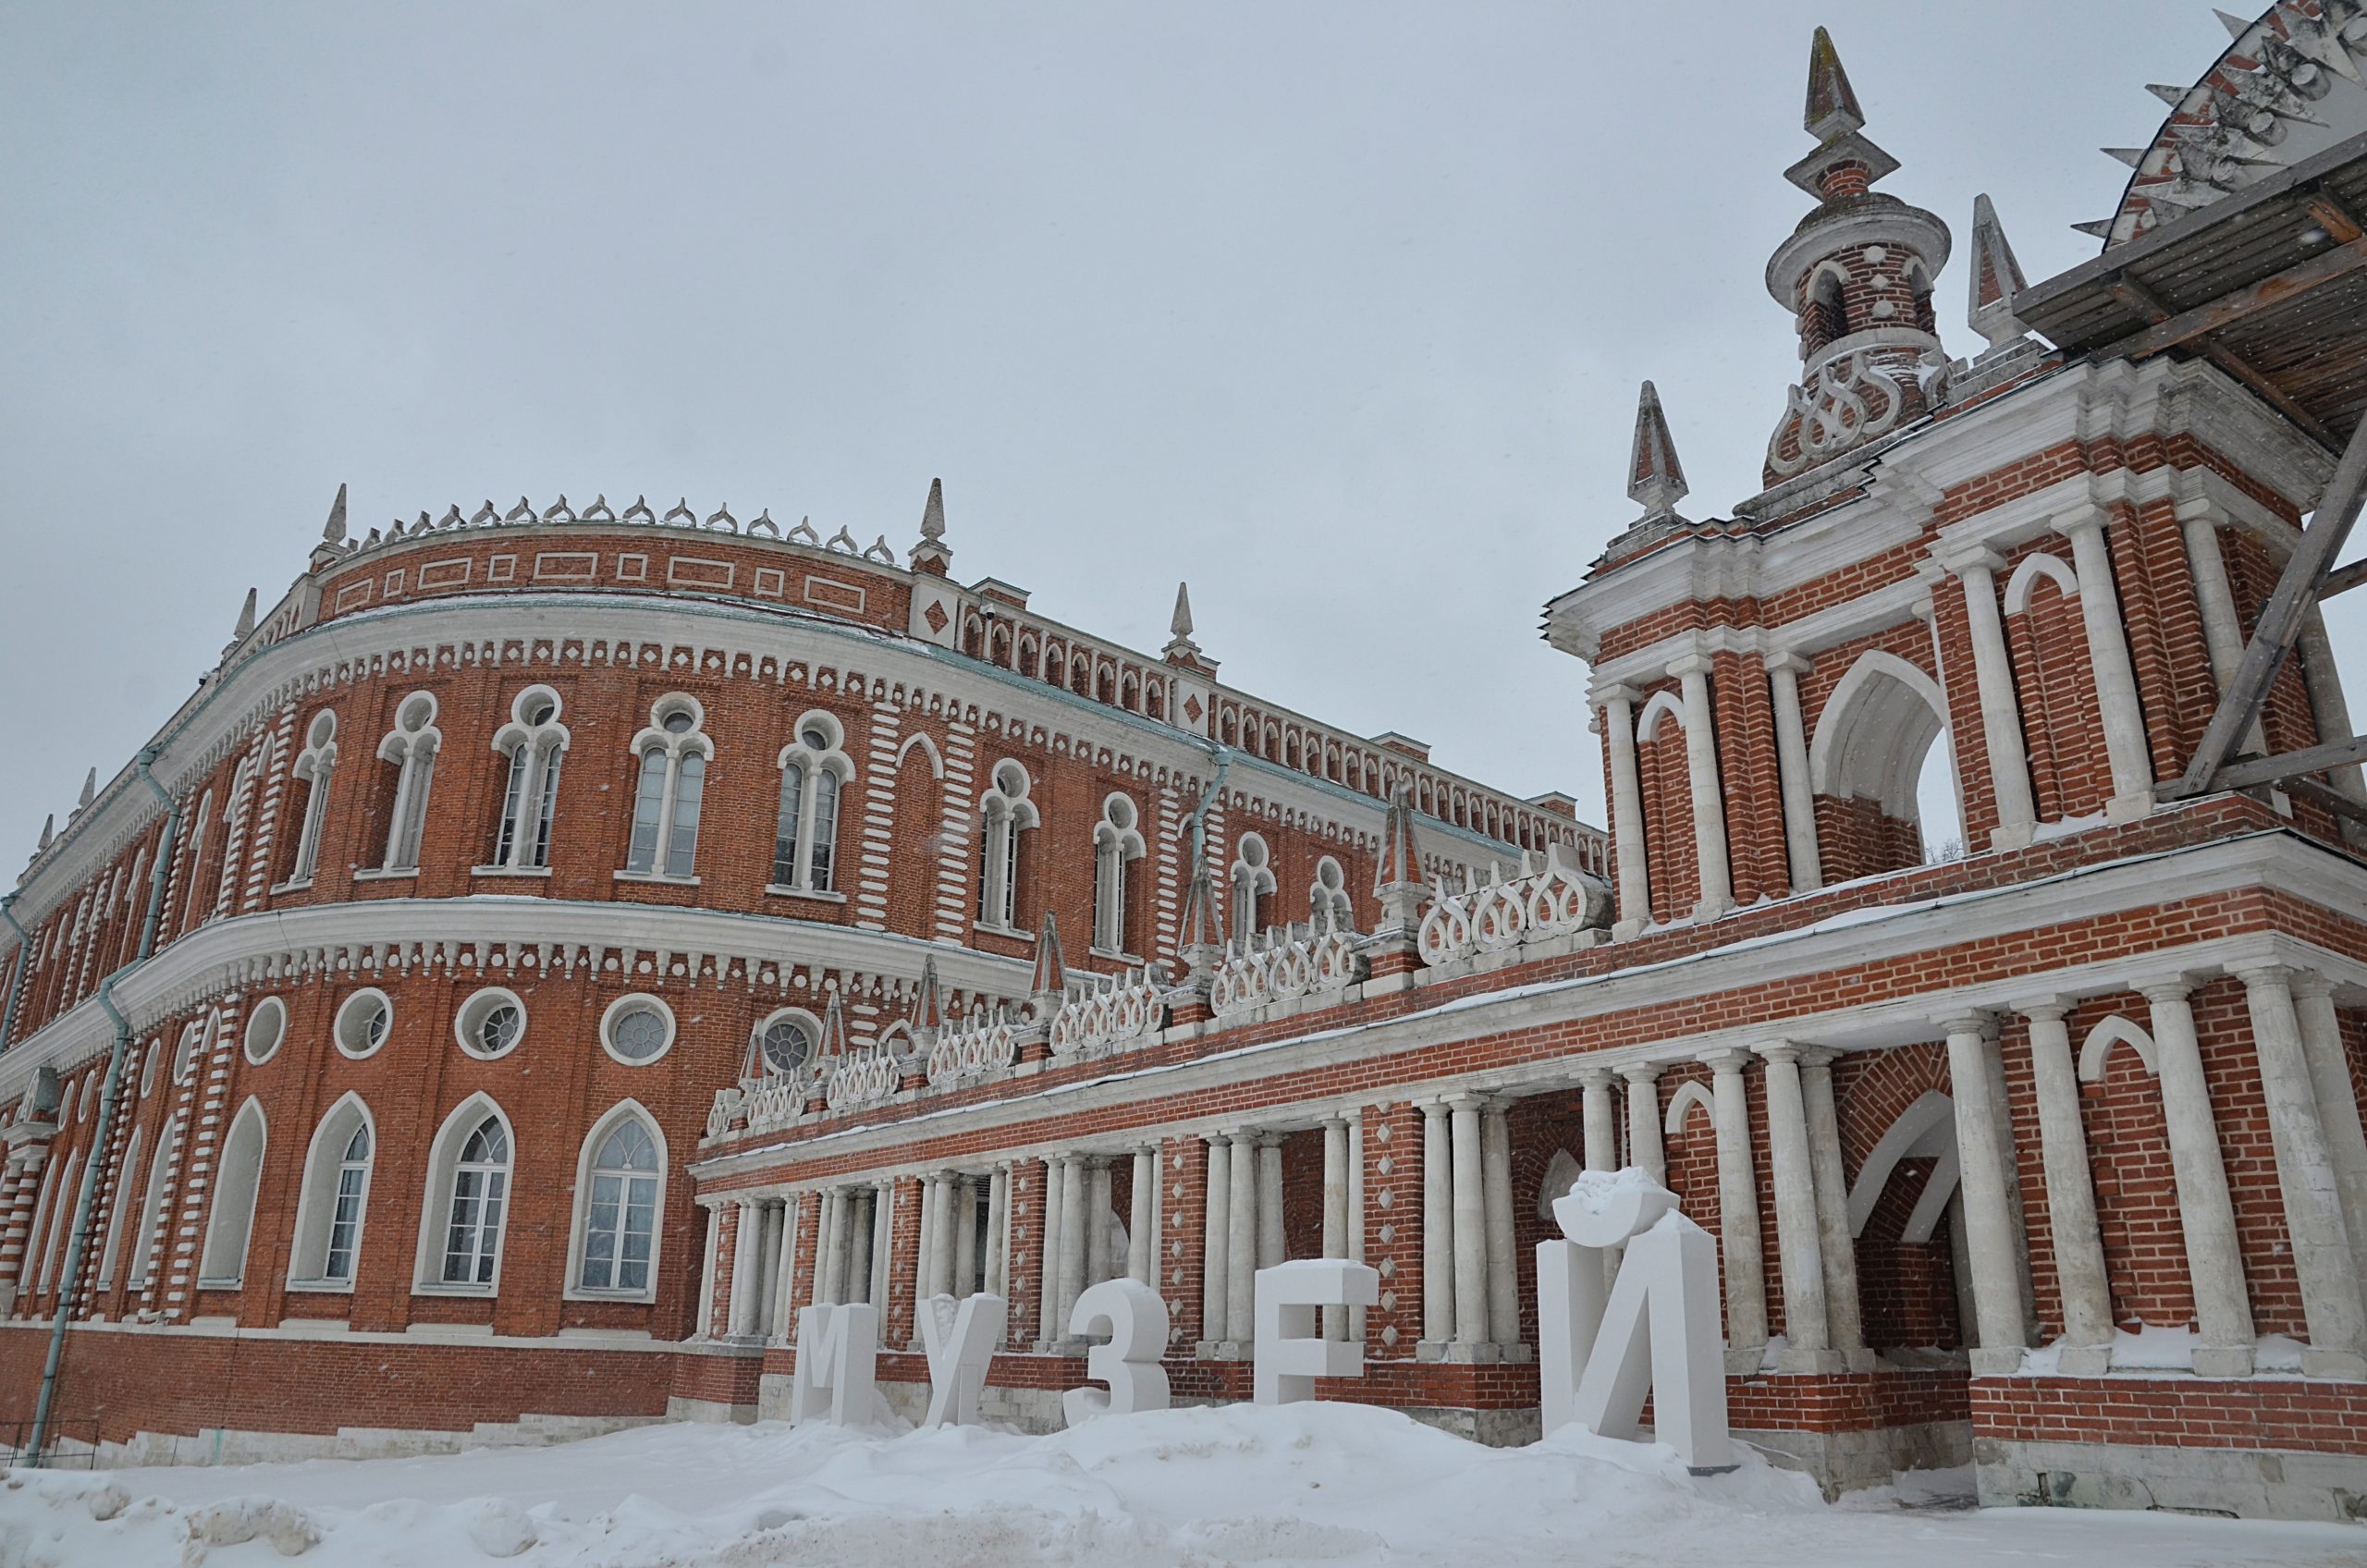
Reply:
x=1136, y=1319
x=1656, y=1332
x=1290, y=1350
x=838, y=1349
x=960, y=1338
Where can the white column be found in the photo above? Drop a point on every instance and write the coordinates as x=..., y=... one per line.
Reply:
x=2331, y=1304
x=965, y=1235
x=1074, y=1223
x=1356, y=1211
x=1270, y=1241
x=1496, y=1197
x=1241, y=1237
x=1806, y=1326
x=1050, y=1327
x=1142, y=1227
x=1626, y=811
x=793, y=1219
x=829, y=1262
x=926, y=1273
x=2070, y=1194
x=1335, y=1212
x=1601, y=1151
x=1783, y=672
x=1985, y=1178
x=706, y=1272
x=1097, y=1265
x=2000, y=712
x=1692, y=672
x=1738, y=1245
x=2123, y=716
x=1438, y=1228
x=880, y=1242
x=762, y=1316
x=747, y=1268
x=1835, y=1245
x=1645, y=1149
x=2206, y=1214
x=2222, y=633
x=1214, y=1244
x=1470, y=1227
x=2338, y=1102
x=998, y=1232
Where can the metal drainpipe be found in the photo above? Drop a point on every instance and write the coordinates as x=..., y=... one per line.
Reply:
x=17, y=979
x=78, y=1242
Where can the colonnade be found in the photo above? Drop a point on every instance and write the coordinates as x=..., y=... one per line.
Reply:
x=1242, y=1230
x=1076, y=1253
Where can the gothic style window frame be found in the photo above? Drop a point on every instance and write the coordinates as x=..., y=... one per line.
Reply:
x=322, y=1198
x=1252, y=877
x=127, y=1181
x=1005, y=812
x=671, y=762
x=816, y=773
x=533, y=744
x=237, y=1182
x=148, y=1240
x=1117, y=844
x=441, y=1214
x=1327, y=896
x=412, y=745
x=589, y=1172
x=311, y=769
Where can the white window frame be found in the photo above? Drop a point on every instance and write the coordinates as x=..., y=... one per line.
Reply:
x=1252, y=879
x=675, y=747
x=579, y=1229
x=312, y=769
x=803, y=1019
x=238, y=1180
x=412, y=745
x=316, y=1196
x=1005, y=812
x=435, y=1203
x=471, y=1015
x=60, y=1220
x=149, y=1240
x=268, y=1022
x=1327, y=896
x=121, y=1202
x=808, y=764
x=616, y=1009
x=1116, y=844
x=536, y=753
x=346, y=1024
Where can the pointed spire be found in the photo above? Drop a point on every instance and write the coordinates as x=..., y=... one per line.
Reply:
x=1401, y=859
x=1996, y=277
x=1655, y=479
x=246, y=626
x=834, y=1031
x=1180, y=624
x=1833, y=106
x=928, y=1002
x=931, y=555
x=2237, y=26
x=48, y=831
x=1201, y=930
x=1180, y=647
x=334, y=533
x=89, y=791
x=1051, y=978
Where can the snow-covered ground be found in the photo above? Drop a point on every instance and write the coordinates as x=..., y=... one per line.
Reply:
x=1320, y=1483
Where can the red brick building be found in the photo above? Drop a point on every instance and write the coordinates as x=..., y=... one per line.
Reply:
x=586, y=938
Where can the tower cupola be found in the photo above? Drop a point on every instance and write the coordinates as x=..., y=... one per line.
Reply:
x=1857, y=275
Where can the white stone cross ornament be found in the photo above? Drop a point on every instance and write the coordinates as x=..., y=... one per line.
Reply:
x=1655, y=1331
x=1136, y=1319
x=837, y=1351
x=1291, y=1352
x=960, y=1338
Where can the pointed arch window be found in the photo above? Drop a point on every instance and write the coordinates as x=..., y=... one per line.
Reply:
x=150, y=1237
x=411, y=747
x=1328, y=904
x=670, y=783
x=533, y=744
x=1005, y=812
x=814, y=771
x=61, y=1219
x=234, y=825
x=1117, y=842
x=222, y=1263
x=127, y=1184
x=1252, y=879
x=312, y=770
x=619, y=1193
x=468, y=1189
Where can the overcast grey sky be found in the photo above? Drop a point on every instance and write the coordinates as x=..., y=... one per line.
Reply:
x=1337, y=310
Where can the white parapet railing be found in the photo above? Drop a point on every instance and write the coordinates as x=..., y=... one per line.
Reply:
x=1283, y=965
x=1113, y=1014
x=974, y=1049
x=864, y=1075
x=1539, y=905
x=766, y=1104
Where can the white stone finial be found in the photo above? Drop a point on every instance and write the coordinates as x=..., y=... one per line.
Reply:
x=48, y=831
x=933, y=513
x=1996, y=278
x=1182, y=623
x=334, y=532
x=1655, y=479
x=90, y=790
x=246, y=620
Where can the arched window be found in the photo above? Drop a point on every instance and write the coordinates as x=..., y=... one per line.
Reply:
x=61, y=1219
x=468, y=1200
x=223, y=1261
x=126, y=1186
x=672, y=779
x=1327, y=905
x=334, y=1199
x=312, y=770
x=149, y=1240
x=785, y=1042
x=534, y=743
x=411, y=746
x=1005, y=812
x=815, y=769
x=1116, y=841
x=234, y=827
x=1252, y=878
x=618, y=1195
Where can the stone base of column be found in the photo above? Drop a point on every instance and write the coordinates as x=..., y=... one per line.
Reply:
x=1862, y=1359
x=1627, y=930
x=2134, y=806
x=1221, y=1350
x=2084, y=1361
x=2223, y=1361
x=2346, y=1364
x=1742, y=1361
x=1429, y=1350
x=1818, y=1361
x=2002, y=1361
x=1712, y=909
x=1481, y=1354
x=2012, y=838
x=1520, y=1356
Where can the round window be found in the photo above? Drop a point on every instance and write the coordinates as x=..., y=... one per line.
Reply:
x=362, y=1022
x=787, y=1043
x=816, y=737
x=637, y=1029
x=678, y=722
x=266, y=1027
x=491, y=1022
